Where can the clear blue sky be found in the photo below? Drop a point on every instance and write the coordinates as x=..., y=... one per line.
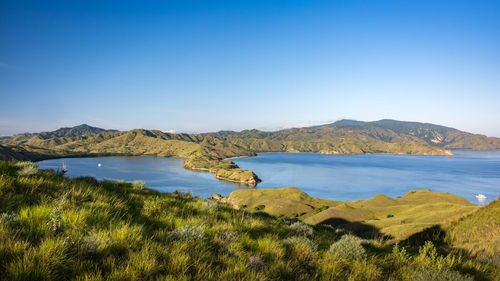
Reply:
x=205, y=65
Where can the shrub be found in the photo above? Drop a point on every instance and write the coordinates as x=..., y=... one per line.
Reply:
x=301, y=241
x=399, y=253
x=139, y=185
x=300, y=228
x=256, y=262
x=227, y=237
x=441, y=275
x=210, y=206
x=390, y=215
x=26, y=168
x=259, y=207
x=349, y=246
x=95, y=243
x=428, y=257
x=189, y=233
x=296, y=215
x=55, y=220
x=321, y=209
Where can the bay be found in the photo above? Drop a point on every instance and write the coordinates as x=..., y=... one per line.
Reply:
x=336, y=177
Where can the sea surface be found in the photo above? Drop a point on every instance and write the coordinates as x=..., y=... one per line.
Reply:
x=336, y=177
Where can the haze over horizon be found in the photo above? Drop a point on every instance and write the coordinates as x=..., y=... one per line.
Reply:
x=204, y=66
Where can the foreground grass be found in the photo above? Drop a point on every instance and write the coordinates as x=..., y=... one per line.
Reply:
x=54, y=228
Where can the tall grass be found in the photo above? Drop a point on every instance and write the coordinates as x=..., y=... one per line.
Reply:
x=55, y=228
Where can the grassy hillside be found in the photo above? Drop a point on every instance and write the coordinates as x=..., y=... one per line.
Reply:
x=395, y=219
x=384, y=131
x=477, y=232
x=54, y=228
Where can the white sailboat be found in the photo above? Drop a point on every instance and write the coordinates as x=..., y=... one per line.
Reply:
x=480, y=197
x=64, y=169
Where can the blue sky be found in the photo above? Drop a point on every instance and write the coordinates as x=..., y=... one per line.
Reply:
x=197, y=66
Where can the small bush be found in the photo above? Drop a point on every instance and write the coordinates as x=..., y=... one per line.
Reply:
x=301, y=241
x=139, y=185
x=321, y=209
x=259, y=207
x=399, y=253
x=300, y=228
x=349, y=246
x=26, y=168
x=189, y=233
x=428, y=257
x=95, y=243
x=390, y=215
x=441, y=275
x=227, y=237
x=256, y=262
x=296, y=215
x=55, y=220
x=210, y=206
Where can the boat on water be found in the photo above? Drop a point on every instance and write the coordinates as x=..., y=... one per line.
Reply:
x=64, y=169
x=480, y=197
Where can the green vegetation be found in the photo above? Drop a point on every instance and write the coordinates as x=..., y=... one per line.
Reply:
x=26, y=168
x=348, y=246
x=55, y=228
x=412, y=213
x=478, y=232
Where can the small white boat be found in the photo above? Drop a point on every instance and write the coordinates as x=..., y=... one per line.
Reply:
x=64, y=169
x=481, y=197
x=99, y=165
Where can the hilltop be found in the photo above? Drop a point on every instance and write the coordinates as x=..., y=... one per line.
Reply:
x=396, y=219
x=206, y=152
x=66, y=132
x=385, y=130
x=55, y=228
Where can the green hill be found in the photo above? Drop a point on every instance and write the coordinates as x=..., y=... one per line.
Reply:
x=386, y=130
x=396, y=219
x=55, y=228
x=477, y=232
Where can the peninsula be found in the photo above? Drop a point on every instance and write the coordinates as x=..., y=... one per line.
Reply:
x=206, y=152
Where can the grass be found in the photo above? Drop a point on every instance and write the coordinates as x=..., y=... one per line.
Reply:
x=55, y=228
x=395, y=218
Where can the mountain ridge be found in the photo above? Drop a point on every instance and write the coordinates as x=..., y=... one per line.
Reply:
x=206, y=152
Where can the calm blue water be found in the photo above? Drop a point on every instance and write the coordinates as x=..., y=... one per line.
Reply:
x=337, y=177
x=352, y=177
x=160, y=173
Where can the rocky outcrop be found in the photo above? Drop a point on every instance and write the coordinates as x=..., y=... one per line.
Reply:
x=223, y=170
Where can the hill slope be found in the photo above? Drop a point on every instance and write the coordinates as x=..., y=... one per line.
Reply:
x=396, y=219
x=383, y=130
x=54, y=228
x=478, y=232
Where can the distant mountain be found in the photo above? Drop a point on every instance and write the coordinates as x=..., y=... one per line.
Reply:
x=385, y=130
x=66, y=132
x=431, y=134
x=71, y=132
